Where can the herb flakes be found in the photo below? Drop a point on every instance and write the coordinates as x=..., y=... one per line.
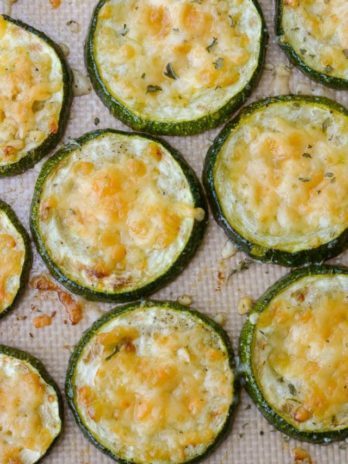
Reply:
x=292, y=389
x=115, y=351
x=304, y=179
x=241, y=266
x=169, y=72
x=307, y=155
x=153, y=89
x=212, y=45
x=325, y=125
x=218, y=64
x=125, y=30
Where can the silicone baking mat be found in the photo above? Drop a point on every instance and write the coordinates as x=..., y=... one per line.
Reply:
x=252, y=440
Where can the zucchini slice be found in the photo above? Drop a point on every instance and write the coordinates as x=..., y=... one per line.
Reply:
x=15, y=258
x=31, y=409
x=153, y=382
x=294, y=349
x=117, y=215
x=175, y=67
x=314, y=35
x=277, y=179
x=35, y=95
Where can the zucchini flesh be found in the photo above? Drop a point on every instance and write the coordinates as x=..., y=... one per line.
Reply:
x=314, y=36
x=292, y=356
x=155, y=348
x=214, y=54
x=35, y=95
x=31, y=408
x=16, y=258
x=274, y=175
x=144, y=218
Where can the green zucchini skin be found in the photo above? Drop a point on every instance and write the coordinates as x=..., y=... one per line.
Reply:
x=34, y=156
x=28, y=258
x=69, y=385
x=245, y=355
x=182, y=128
x=272, y=255
x=37, y=364
x=177, y=267
x=325, y=79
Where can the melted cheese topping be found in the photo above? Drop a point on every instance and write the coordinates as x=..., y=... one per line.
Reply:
x=29, y=413
x=300, y=353
x=154, y=385
x=12, y=256
x=211, y=49
x=136, y=222
x=318, y=32
x=31, y=91
x=281, y=176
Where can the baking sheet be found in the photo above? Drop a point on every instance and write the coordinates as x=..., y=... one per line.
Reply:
x=253, y=440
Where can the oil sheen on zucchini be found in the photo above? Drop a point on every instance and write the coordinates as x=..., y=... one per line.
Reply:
x=276, y=176
x=30, y=408
x=314, y=34
x=175, y=67
x=294, y=351
x=153, y=382
x=35, y=95
x=116, y=215
x=15, y=258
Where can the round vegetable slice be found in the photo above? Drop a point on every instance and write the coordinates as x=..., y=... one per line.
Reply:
x=31, y=412
x=15, y=258
x=117, y=215
x=293, y=350
x=276, y=177
x=153, y=382
x=314, y=36
x=35, y=95
x=176, y=68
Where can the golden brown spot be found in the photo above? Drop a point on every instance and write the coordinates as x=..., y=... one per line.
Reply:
x=43, y=283
x=42, y=321
x=302, y=414
x=72, y=307
x=55, y=3
x=158, y=20
x=196, y=21
x=301, y=456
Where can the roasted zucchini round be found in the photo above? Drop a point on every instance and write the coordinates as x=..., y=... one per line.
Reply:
x=15, y=258
x=277, y=179
x=35, y=95
x=153, y=382
x=314, y=35
x=31, y=409
x=293, y=351
x=175, y=67
x=117, y=215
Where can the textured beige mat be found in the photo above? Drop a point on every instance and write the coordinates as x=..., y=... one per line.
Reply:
x=253, y=440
